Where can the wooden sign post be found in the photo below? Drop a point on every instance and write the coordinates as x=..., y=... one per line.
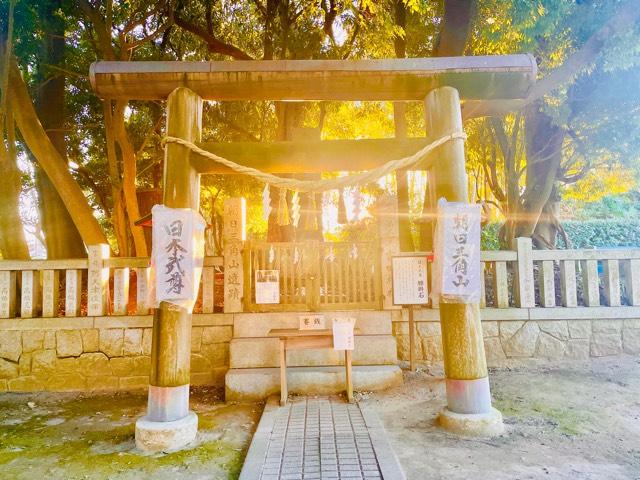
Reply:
x=409, y=274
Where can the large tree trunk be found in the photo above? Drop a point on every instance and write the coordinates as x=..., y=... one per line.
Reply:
x=12, y=239
x=50, y=160
x=13, y=243
x=451, y=41
x=400, y=124
x=129, y=169
x=118, y=212
x=544, y=141
x=61, y=235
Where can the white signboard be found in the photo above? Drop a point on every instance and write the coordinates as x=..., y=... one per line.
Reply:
x=343, y=333
x=312, y=322
x=178, y=253
x=458, y=252
x=410, y=280
x=267, y=286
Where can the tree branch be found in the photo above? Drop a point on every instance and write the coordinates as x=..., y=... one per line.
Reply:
x=213, y=44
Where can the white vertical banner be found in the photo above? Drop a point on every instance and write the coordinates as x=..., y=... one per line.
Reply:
x=177, y=255
x=457, y=253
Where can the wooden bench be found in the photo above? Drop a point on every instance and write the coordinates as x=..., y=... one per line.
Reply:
x=295, y=339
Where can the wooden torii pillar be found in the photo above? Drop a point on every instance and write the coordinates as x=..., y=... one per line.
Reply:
x=469, y=409
x=169, y=424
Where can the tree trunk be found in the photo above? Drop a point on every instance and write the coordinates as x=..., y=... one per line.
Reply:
x=544, y=141
x=62, y=239
x=118, y=213
x=129, y=169
x=13, y=243
x=400, y=124
x=49, y=159
x=451, y=41
x=546, y=232
x=12, y=239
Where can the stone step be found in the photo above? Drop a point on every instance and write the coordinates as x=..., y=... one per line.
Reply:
x=265, y=353
x=370, y=322
x=252, y=384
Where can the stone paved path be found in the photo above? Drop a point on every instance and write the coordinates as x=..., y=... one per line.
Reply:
x=318, y=438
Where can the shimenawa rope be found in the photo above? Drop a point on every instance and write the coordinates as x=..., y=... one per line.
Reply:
x=322, y=185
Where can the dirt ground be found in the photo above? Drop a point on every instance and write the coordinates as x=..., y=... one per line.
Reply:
x=63, y=436
x=576, y=422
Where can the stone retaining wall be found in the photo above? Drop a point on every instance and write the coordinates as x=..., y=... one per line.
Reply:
x=101, y=353
x=508, y=342
x=113, y=353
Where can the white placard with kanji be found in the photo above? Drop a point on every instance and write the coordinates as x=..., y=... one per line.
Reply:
x=178, y=253
x=409, y=275
x=267, y=286
x=343, y=333
x=311, y=322
x=458, y=252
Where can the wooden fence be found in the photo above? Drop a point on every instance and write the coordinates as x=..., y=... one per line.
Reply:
x=93, y=286
x=317, y=276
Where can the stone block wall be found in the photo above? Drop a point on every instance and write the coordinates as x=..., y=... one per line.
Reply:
x=101, y=353
x=514, y=341
x=113, y=353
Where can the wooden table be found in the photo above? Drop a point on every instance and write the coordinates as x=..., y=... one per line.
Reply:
x=295, y=339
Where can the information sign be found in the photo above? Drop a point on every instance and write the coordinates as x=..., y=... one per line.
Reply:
x=267, y=286
x=410, y=280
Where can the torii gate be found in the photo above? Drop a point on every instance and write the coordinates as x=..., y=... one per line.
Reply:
x=438, y=82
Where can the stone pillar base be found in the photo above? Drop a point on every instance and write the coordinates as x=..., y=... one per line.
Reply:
x=166, y=436
x=472, y=424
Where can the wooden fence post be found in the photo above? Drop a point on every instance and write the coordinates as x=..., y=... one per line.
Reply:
x=568, y=283
x=547, y=284
x=97, y=280
x=524, y=286
x=590, y=283
x=120, y=291
x=631, y=280
x=7, y=294
x=73, y=293
x=30, y=294
x=50, y=293
x=611, y=276
x=142, y=290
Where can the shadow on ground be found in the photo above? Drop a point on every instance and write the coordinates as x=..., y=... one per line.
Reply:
x=66, y=436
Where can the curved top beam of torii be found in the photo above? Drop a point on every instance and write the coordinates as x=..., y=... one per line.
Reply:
x=475, y=77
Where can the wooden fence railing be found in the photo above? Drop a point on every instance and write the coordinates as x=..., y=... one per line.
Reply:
x=316, y=276
x=528, y=278
x=93, y=286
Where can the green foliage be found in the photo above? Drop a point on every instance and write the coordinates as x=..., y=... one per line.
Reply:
x=581, y=233
x=489, y=237
x=603, y=233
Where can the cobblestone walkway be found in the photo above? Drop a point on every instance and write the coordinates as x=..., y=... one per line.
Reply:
x=318, y=438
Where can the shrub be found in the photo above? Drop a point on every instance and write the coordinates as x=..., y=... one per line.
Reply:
x=582, y=234
x=603, y=233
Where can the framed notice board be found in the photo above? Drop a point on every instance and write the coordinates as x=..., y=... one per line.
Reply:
x=409, y=274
